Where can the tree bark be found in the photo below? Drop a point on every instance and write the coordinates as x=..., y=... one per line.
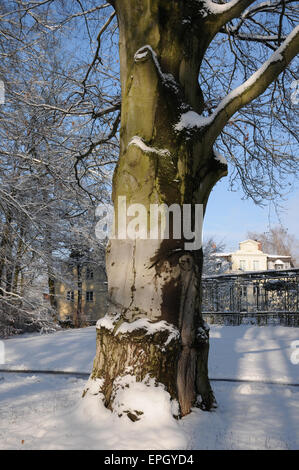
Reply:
x=78, y=320
x=158, y=280
x=4, y=248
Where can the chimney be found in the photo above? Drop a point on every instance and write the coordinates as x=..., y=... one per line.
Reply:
x=259, y=246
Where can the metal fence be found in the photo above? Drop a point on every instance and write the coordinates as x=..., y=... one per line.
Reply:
x=260, y=297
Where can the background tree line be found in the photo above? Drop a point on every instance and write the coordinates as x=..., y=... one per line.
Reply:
x=59, y=127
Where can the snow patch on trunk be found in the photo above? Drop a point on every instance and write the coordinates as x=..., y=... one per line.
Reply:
x=108, y=321
x=138, y=142
x=220, y=158
x=94, y=386
x=150, y=328
x=191, y=119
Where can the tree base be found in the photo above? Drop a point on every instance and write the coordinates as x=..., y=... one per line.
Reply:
x=149, y=354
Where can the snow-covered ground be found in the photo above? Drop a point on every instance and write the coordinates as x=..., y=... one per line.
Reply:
x=41, y=411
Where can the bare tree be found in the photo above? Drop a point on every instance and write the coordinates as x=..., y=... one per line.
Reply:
x=279, y=241
x=211, y=264
x=53, y=123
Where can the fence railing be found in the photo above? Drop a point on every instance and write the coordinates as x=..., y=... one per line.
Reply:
x=251, y=294
x=257, y=318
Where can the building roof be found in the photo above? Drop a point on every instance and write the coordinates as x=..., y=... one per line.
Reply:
x=273, y=256
x=221, y=254
x=289, y=272
x=279, y=256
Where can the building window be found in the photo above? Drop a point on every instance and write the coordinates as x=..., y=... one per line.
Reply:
x=242, y=264
x=89, y=296
x=89, y=273
x=255, y=290
x=278, y=266
x=256, y=265
x=70, y=295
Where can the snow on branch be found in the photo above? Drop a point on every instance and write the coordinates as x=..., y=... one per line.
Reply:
x=254, y=37
x=225, y=11
x=212, y=125
x=217, y=8
x=256, y=84
x=263, y=6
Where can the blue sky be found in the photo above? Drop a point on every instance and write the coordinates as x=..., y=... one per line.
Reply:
x=228, y=217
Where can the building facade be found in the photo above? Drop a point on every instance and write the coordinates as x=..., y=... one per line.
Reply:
x=250, y=257
x=81, y=294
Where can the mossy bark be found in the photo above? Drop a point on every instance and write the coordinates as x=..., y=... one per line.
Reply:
x=141, y=354
x=161, y=49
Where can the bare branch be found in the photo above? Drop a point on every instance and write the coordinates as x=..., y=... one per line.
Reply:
x=96, y=56
x=254, y=86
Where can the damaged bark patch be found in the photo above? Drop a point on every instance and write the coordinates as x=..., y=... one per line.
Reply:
x=137, y=353
x=171, y=301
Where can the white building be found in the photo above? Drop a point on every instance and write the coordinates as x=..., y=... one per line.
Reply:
x=250, y=257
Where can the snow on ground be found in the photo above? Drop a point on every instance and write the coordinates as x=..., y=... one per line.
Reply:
x=68, y=350
x=253, y=352
x=243, y=352
x=47, y=412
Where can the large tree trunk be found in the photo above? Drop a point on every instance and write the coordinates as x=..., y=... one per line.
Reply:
x=157, y=280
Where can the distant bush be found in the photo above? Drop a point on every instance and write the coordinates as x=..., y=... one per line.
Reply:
x=15, y=320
